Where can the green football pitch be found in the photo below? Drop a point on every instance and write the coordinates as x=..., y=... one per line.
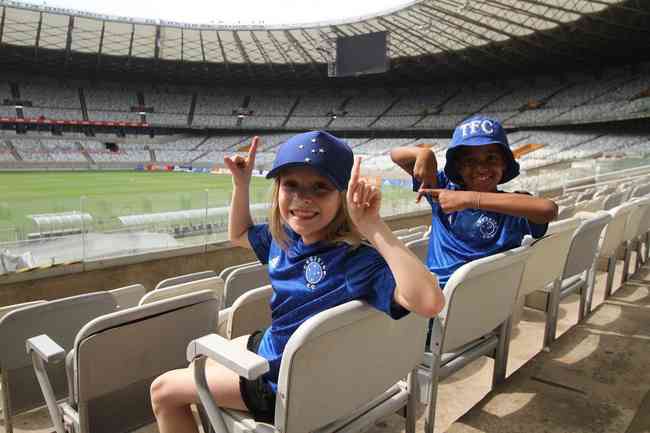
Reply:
x=108, y=195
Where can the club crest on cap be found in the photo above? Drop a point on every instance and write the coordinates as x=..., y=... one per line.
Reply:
x=327, y=154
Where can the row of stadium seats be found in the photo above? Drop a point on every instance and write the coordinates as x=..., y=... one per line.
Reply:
x=575, y=97
x=539, y=275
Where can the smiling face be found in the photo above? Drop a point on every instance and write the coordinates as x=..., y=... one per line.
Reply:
x=308, y=202
x=482, y=167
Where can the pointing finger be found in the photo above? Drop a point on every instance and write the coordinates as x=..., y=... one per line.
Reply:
x=252, y=151
x=356, y=170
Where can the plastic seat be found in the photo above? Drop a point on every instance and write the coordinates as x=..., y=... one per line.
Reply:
x=545, y=265
x=353, y=347
x=475, y=322
x=214, y=284
x=61, y=319
x=180, y=279
x=105, y=396
x=577, y=276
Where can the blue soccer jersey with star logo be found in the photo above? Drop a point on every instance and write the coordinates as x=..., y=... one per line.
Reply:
x=308, y=279
x=460, y=237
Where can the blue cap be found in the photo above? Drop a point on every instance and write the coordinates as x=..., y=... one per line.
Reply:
x=327, y=154
x=479, y=131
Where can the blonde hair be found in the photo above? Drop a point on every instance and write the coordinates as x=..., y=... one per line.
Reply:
x=340, y=229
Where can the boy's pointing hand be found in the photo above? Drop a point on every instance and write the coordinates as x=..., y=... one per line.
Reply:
x=450, y=200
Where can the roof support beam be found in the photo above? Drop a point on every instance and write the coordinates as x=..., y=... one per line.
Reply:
x=424, y=50
x=131, y=42
x=2, y=23
x=305, y=54
x=182, y=44
x=37, y=42
x=202, y=46
x=459, y=40
x=525, y=40
x=156, y=48
x=243, y=52
x=101, y=46
x=313, y=44
x=280, y=50
x=263, y=52
x=226, y=63
x=68, y=41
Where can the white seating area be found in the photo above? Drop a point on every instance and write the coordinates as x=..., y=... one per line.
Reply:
x=537, y=276
x=575, y=97
x=48, y=150
x=126, y=152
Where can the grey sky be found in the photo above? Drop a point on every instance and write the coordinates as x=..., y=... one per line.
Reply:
x=231, y=11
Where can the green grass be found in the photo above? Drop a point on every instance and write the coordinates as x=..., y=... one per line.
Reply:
x=111, y=194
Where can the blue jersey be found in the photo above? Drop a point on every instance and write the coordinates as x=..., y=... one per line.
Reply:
x=308, y=279
x=470, y=234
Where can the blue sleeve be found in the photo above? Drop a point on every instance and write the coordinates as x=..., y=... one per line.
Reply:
x=259, y=236
x=368, y=277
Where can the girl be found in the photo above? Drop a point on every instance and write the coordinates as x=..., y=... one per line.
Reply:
x=320, y=211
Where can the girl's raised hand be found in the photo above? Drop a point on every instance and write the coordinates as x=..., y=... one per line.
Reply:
x=242, y=168
x=363, y=199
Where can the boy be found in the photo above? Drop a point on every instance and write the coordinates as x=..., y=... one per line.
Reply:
x=471, y=217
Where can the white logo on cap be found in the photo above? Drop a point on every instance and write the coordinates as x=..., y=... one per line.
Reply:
x=471, y=128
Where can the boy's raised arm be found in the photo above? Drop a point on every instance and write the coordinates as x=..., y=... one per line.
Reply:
x=417, y=289
x=419, y=162
x=240, y=220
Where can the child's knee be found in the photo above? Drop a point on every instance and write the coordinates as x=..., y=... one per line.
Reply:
x=162, y=393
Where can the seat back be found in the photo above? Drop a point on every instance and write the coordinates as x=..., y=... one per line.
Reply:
x=351, y=347
x=215, y=284
x=419, y=229
x=613, y=234
x=480, y=296
x=118, y=355
x=226, y=271
x=181, y=279
x=614, y=199
x=640, y=190
x=635, y=219
x=9, y=308
x=586, y=195
x=244, y=279
x=250, y=312
x=61, y=320
x=584, y=245
x=566, y=212
x=411, y=237
x=548, y=256
x=420, y=248
x=129, y=296
x=593, y=205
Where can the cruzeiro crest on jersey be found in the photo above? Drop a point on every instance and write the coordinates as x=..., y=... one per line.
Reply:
x=315, y=271
x=487, y=226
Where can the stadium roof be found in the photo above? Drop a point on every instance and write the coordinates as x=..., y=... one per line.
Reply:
x=453, y=35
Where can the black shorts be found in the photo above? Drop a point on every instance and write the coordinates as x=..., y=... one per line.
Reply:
x=258, y=395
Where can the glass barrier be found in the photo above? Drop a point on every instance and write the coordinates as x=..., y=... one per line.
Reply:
x=146, y=212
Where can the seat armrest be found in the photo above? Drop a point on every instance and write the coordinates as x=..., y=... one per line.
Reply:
x=222, y=321
x=45, y=348
x=229, y=354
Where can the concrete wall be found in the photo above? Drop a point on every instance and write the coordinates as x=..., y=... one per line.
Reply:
x=146, y=269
